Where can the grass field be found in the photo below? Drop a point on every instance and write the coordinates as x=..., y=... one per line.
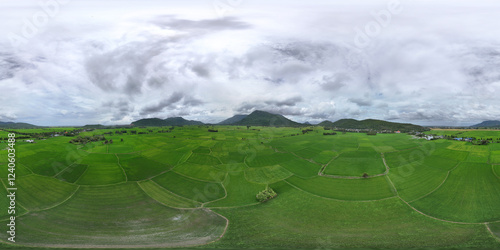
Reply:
x=190, y=187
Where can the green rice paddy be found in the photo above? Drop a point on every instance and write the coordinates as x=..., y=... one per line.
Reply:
x=190, y=187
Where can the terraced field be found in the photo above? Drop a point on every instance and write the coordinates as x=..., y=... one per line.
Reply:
x=190, y=187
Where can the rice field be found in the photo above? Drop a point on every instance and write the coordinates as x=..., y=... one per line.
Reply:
x=190, y=187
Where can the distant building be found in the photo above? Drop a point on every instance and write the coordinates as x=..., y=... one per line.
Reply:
x=30, y=141
x=397, y=132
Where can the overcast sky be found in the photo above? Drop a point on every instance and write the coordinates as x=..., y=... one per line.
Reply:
x=76, y=62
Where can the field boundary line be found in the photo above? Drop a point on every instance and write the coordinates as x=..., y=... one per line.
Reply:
x=323, y=167
x=320, y=173
x=60, y=203
x=163, y=204
x=196, y=179
x=491, y=232
x=154, y=176
x=493, y=169
x=54, y=176
x=392, y=184
x=162, y=187
x=103, y=185
x=432, y=217
x=17, y=202
x=17, y=163
x=305, y=159
x=84, y=172
x=387, y=168
x=446, y=178
x=223, y=232
x=328, y=198
x=182, y=160
x=425, y=195
x=124, y=173
x=225, y=192
x=247, y=205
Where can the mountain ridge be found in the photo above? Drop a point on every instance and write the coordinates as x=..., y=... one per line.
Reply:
x=263, y=118
x=171, y=121
x=17, y=125
x=373, y=124
x=487, y=124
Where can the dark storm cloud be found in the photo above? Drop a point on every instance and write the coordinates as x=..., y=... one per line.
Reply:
x=482, y=65
x=9, y=65
x=285, y=107
x=287, y=102
x=227, y=23
x=309, y=52
x=118, y=109
x=201, y=70
x=192, y=102
x=333, y=82
x=173, y=99
x=177, y=100
x=361, y=101
x=123, y=69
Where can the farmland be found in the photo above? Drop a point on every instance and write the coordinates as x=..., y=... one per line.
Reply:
x=162, y=187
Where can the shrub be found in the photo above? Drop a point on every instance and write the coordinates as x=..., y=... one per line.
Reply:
x=266, y=194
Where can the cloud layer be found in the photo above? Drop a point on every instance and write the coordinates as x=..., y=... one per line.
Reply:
x=94, y=62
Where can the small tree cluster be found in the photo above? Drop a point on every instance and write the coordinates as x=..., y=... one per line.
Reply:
x=266, y=194
x=85, y=139
x=332, y=133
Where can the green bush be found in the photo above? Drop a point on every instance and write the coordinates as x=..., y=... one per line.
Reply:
x=266, y=194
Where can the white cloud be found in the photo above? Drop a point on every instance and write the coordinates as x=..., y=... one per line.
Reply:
x=435, y=63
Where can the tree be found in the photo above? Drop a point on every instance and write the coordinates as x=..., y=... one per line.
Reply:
x=248, y=127
x=266, y=194
x=121, y=139
x=365, y=175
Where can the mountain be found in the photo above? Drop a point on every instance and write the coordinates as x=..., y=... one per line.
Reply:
x=372, y=124
x=232, y=120
x=179, y=121
x=487, y=124
x=17, y=125
x=327, y=124
x=262, y=118
x=171, y=121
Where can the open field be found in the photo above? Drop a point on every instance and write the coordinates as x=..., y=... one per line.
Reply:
x=190, y=187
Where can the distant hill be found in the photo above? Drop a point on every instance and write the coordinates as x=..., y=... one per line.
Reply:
x=328, y=124
x=94, y=126
x=487, y=124
x=171, y=121
x=17, y=125
x=179, y=121
x=372, y=124
x=262, y=118
x=234, y=119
